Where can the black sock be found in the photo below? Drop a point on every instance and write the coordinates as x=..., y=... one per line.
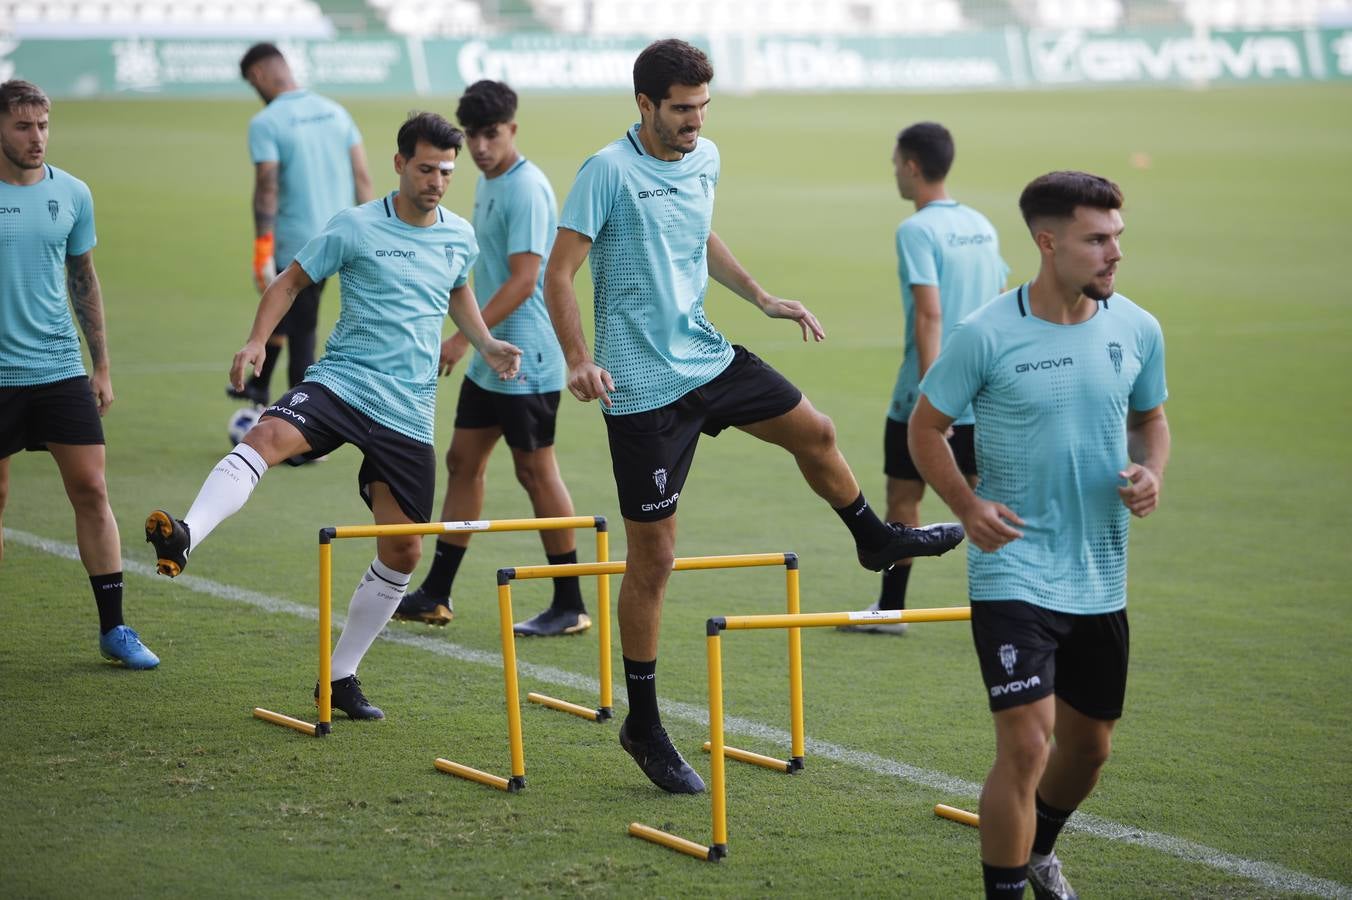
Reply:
x=108, y=596
x=641, y=680
x=893, y=593
x=445, y=563
x=300, y=355
x=1049, y=823
x=869, y=531
x=567, y=592
x=1004, y=883
x=264, y=377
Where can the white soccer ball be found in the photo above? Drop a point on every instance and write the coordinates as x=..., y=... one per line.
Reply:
x=241, y=421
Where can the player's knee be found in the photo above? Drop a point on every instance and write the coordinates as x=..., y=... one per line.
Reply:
x=529, y=476
x=460, y=466
x=402, y=553
x=1092, y=751
x=1024, y=756
x=820, y=436
x=88, y=493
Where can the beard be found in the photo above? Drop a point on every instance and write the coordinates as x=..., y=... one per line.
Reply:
x=1094, y=292
x=18, y=159
x=671, y=138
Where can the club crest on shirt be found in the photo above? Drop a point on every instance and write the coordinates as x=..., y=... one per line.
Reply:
x=1009, y=654
x=54, y=208
x=704, y=184
x=452, y=257
x=1115, y=354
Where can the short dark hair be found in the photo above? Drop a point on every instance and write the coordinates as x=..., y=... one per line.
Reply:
x=930, y=145
x=668, y=62
x=17, y=93
x=429, y=128
x=256, y=54
x=1057, y=194
x=486, y=103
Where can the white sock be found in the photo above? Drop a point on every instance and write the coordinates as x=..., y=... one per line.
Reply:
x=373, y=603
x=224, y=492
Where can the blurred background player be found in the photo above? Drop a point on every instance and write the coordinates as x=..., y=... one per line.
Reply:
x=308, y=165
x=399, y=259
x=515, y=219
x=642, y=209
x=948, y=262
x=47, y=401
x=1067, y=381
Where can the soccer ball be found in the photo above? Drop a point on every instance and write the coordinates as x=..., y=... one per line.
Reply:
x=241, y=421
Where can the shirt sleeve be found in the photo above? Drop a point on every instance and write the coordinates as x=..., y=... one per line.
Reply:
x=1150, y=389
x=471, y=257
x=592, y=197
x=528, y=220
x=959, y=373
x=262, y=142
x=82, y=238
x=916, y=252
x=325, y=253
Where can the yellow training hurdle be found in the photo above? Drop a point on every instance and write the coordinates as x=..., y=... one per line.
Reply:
x=714, y=628
x=506, y=576
x=328, y=535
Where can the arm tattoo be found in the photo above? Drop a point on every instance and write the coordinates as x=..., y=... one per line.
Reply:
x=82, y=284
x=265, y=199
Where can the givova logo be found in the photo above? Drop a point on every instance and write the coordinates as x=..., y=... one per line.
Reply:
x=402, y=254
x=658, y=192
x=1044, y=364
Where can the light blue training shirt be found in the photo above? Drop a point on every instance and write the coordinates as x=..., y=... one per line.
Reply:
x=41, y=225
x=1051, y=403
x=516, y=213
x=955, y=248
x=396, y=280
x=649, y=222
x=311, y=138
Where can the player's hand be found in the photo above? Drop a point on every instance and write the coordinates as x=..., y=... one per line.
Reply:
x=776, y=308
x=990, y=525
x=453, y=349
x=587, y=381
x=1141, y=493
x=502, y=357
x=248, y=361
x=101, y=383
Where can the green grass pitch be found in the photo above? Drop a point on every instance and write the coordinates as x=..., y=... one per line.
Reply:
x=1231, y=772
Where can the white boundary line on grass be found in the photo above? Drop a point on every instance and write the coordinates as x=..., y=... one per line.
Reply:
x=1269, y=875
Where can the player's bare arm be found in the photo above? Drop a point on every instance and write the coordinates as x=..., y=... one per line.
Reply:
x=727, y=271
x=361, y=177
x=989, y=525
x=274, y=303
x=265, y=220
x=504, y=358
x=522, y=271
x=929, y=325
x=586, y=380
x=1148, y=444
x=86, y=298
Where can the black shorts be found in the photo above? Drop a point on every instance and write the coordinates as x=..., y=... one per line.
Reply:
x=526, y=420
x=897, y=461
x=1027, y=653
x=651, y=451
x=409, y=467
x=60, y=412
x=303, y=316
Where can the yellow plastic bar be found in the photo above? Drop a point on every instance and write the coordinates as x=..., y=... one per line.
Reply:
x=717, y=768
x=470, y=774
x=680, y=844
x=823, y=620
x=325, y=636
x=960, y=816
x=682, y=564
x=277, y=718
x=509, y=676
x=749, y=756
x=603, y=619
x=796, y=727
x=581, y=712
x=555, y=523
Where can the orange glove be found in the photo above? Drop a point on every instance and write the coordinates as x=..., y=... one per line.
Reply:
x=264, y=264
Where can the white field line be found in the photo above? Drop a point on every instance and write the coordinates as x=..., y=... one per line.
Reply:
x=1268, y=875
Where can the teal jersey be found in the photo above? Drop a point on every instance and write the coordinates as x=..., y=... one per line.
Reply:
x=1051, y=403
x=649, y=222
x=311, y=138
x=954, y=248
x=40, y=226
x=516, y=213
x=396, y=282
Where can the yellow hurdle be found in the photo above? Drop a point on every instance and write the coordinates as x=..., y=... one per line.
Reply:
x=324, y=701
x=961, y=816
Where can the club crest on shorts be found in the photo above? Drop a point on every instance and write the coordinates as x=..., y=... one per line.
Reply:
x=1115, y=354
x=298, y=398
x=1009, y=654
x=54, y=208
x=660, y=479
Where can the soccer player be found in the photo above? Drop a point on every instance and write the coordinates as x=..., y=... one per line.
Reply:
x=308, y=164
x=47, y=401
x=1066, y=379
x=948, y=262
x=642, y=207
x=398, y=259
x=514, y=220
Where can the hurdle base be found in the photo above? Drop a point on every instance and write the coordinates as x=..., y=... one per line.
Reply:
x=573, y=709
x=313, y=729
x=758, y=759
x=961, y=816
x=508, y=785
x=711, y=853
